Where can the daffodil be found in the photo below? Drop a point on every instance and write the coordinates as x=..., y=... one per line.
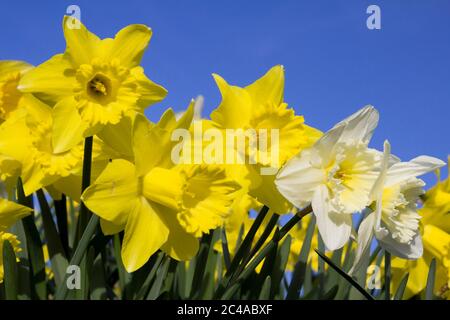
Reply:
x=395, y=220
x=159, y=205
x=435, y=231
x=260, y=109
x=10, y=212
x=335, y=175
x=11, y=99
x=27, y=142
x=95, y=83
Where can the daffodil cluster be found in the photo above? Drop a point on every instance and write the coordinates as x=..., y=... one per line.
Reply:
x=84, y=109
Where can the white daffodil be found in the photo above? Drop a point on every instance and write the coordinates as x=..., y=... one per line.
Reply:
x=336, y=176
x=395, y=221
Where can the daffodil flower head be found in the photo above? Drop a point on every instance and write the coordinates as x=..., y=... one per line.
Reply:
x=158, y=204
x=11, y=98
x=335, y=175
x=395, y=220
x=277, y=133
x=99, y=79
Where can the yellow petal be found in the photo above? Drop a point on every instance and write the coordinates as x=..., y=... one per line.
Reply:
x=112, y=194
x=118, y=137
x=235, y=101
x=269, y=88
x=145, y=233
x=109, y=228
x=10, y=66
x=52, y=80
x=81, y=44
x=180, y=245
x=130, y=43
x=149, y=92
x=68, y=127
x=164, y=186
x=10, y=212
x=145, y=144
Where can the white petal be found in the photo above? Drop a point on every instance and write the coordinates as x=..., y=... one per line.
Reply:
x=403, y=171
x=326, y=145
x=360, y=125
x=365, y=236
x=403, y=250
x=297, y=180
x=378, y=187
x=335, y=228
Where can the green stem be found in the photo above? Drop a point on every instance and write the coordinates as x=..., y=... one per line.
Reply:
x=387, y=276
x=84, y=215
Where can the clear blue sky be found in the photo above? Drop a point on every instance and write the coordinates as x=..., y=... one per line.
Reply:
x=334, y=64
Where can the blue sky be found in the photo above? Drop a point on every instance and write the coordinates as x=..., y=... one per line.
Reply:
x=334, y=64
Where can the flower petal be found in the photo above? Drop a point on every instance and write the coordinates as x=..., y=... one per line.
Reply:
x=68, y=128
x=360, y=125
x=235, y=101
x=130, y=43
x=112, y=194
x=52, y=80
x=10, y=212
x=335, y=228
x=180, y=245
x=145, y=233
x=413, y=251
x=298, y=180
x=10, y=66
x=268, y=88
x=403, y=171
x=81, y=44
x=149, y=92
x=365, y=237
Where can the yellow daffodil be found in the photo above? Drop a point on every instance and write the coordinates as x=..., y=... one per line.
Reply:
x=259, y=108
x=336, y=176
x=10, y=212
x=395, y=221
x=95, y=83
x=11, y=99
x=27, y=141
x=159, y=205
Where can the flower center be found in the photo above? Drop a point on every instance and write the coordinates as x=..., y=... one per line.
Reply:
x=99, y=88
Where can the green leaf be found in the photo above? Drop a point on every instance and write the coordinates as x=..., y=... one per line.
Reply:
x=401, y=288
x=343, y=274
x=83, y=245
x=265, y=290
x=330, y=294
x=298, y=276
x=147, y=273
x=124, y=276
x=280, y=266
x=34, y=248
x=155, y=290
x=55, y=248
x=204, y=254
x=10, y=271
x=429, y=295
x=225, y=250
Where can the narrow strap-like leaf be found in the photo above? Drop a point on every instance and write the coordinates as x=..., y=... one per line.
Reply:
x=55, y=247
x=387, y=275
x=159, y=280
x=10, y=271
x=34, y=247
x=298, y=276
x=345, y=276
x=401, y=288
x=225, y=249
x=430, y=280
x=265, y=290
